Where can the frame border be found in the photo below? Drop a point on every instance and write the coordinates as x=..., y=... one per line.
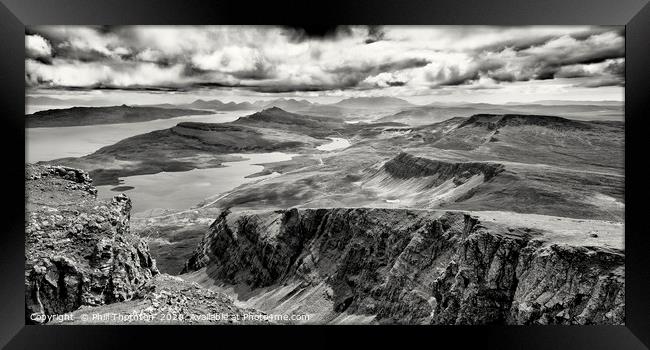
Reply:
x=635, y=14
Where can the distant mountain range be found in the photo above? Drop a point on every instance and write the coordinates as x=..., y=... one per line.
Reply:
x=392, y=109
x=52, y=101
x=434, y=113
x=561, y=102
x=374, y=102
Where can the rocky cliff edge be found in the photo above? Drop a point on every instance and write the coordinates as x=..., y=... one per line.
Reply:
x=417, y=266
x=83, y=265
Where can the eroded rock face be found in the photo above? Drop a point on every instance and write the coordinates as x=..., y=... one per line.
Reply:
x=78, y=250
x=406, y=166
x=567, y=285
x=414, y=266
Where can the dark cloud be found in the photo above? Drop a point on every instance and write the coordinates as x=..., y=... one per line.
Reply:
x=551, y=57
x=367, y=69
x=396, y=83
x=351, y=75
x=608, y=73
x=573, y=72
x=301, y=33
x=375, y=33
x=453, y=77
x=527, y=42
x=502, y=76
x=272, y=59
x=261, y=71
x=616, y=67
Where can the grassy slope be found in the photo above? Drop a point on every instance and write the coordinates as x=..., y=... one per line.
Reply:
x=560, y=168
x=553, y=166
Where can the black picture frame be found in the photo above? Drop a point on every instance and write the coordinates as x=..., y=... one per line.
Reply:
x=634, y=14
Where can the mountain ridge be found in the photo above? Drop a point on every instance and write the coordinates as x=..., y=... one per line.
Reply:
x=403, y=266
x=82, y=116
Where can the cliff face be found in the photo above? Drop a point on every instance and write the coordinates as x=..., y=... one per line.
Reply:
x=410, y=266
x=78, y=250
x=406, y=166
x=418, y=182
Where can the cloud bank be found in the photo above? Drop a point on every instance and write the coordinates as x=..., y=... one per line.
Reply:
x=410, y=60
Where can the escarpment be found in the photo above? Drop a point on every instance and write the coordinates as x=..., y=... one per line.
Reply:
x=406, y=166
x=496, y=121
x=420, y=182
x=409, y=266
x=78, y=250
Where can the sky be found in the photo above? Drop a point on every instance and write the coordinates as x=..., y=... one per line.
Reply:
x=422, y=64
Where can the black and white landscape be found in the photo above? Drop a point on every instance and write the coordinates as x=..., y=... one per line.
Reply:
x=344, y=175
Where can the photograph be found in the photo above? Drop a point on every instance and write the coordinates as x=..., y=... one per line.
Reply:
x=337, y=175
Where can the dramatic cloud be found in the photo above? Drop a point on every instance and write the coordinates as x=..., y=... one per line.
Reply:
x=408, y=60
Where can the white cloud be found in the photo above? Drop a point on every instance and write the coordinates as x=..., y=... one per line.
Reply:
x=66, y=74
x=90, y=74
x=36, y=46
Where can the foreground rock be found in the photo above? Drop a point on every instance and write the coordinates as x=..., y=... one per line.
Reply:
x=78, y=250
x=168, y=300
x=415, y=266
x=80, y=255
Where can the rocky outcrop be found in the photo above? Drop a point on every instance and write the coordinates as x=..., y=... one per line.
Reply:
x=565, y=285
x=406, y=166
x=78, y=250
x=412, y=266
x=167, y=299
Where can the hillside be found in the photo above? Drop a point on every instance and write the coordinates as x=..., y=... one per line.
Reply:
x=79, y=116
x=527, y=164
x=191, y=145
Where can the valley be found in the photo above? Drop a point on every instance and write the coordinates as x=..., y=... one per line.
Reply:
x=525, y=185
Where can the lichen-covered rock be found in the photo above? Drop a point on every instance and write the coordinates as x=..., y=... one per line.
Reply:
x=78, y=250
x=410, y=266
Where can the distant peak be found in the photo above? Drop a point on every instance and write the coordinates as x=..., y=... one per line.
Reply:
x=274, y=109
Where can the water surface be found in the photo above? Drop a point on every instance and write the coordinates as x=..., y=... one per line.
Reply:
x=182, y=190
x=337, y=143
